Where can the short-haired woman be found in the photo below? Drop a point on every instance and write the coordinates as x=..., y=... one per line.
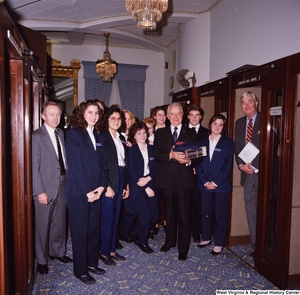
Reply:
x=215, y=184
x=142, y=203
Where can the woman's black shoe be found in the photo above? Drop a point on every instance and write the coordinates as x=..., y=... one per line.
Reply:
x=212, y=252
x=203, y=245
x=107, y=260
x=118, y=257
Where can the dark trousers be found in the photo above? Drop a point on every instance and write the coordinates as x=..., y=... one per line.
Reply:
x=110, y=214
x=196, y=213
x=145, y=210
x=85, y=231
x=178, y=215
x=215, y=208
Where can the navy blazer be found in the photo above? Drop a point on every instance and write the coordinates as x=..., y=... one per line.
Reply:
x=136, y=170
x=240, y=141
x=202, y=133
x=219, y=168
x=88, y=168
x=171, y=170
x=113, y=165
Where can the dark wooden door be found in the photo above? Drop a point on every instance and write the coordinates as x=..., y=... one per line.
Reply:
x=275, y=193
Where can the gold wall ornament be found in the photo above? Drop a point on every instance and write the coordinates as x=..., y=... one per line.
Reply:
x=106, y=67
x=71, y=71
x=147, y=12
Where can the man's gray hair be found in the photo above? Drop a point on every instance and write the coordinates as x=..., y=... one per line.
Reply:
x=175, y=104
x=251, y=93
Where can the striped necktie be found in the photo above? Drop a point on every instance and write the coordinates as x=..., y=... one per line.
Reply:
x=175, y=135
x=249, y=131
x=60, y=157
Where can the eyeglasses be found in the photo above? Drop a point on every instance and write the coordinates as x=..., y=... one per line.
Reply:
x=113, y=119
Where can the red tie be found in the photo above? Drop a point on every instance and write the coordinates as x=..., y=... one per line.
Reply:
x=249, y=131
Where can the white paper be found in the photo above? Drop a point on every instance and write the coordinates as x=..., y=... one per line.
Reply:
x=248, y=153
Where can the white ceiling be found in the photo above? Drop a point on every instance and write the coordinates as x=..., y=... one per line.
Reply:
x=78, y=22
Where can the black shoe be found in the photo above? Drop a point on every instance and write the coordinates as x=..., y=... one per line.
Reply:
x=125, y=239
x=87, y=279
x=118, y=257
x=203, y=246
x=151, y=235
x=134, y=238
x=145, y=248
x=96, y=270
x=212, y=252
x=42, y=268
x=64, y=259
x=165, y=248
x=107, y=260
x=182, y=256
x=119, y=246
x=196, y=238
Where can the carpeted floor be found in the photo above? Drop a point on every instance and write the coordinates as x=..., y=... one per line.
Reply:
x=158, y=273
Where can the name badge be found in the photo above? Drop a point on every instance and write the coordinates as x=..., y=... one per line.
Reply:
x=98, y=144
x=218, y=150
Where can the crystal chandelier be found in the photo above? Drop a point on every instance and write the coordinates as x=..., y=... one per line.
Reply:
x=147, y=12
x=106, y=67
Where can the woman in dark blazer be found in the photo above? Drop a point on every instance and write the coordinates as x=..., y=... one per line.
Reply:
x=142, y=203
x=215, y=184
x=86, y=180
x=117, y=185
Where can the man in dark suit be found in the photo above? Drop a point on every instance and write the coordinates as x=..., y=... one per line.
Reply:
x=48, y=189
x=195, y=115
x=249, y=171
x=175, y=179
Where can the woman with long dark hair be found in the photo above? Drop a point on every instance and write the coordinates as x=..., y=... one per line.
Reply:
x=86, y=180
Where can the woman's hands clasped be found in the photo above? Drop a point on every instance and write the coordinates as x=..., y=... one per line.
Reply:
x=95, y=194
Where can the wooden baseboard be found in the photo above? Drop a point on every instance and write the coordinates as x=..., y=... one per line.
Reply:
x=239, y=241
x=294, y=282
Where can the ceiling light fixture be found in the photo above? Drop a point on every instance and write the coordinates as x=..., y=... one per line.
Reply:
x=147, y=12
x=106, y=67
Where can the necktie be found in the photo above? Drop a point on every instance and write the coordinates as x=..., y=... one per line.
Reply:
x=249, y=131
x=175, y=134
x=60, y=158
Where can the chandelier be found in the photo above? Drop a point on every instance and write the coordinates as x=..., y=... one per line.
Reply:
x=147, y=12
x=106, y=67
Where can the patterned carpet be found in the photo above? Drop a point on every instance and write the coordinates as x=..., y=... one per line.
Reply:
x=158, y=273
